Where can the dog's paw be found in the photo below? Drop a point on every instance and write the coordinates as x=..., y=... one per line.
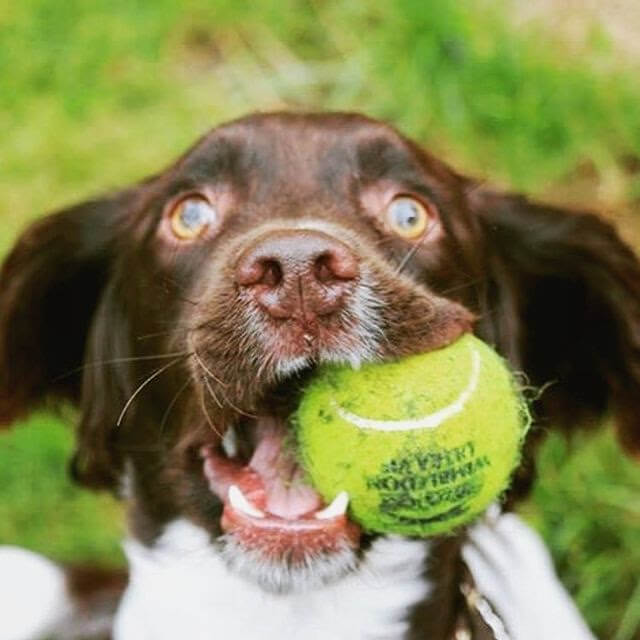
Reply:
x=512, y=568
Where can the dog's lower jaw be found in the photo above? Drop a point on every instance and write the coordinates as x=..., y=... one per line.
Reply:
x=182, y=587
x=277, y=577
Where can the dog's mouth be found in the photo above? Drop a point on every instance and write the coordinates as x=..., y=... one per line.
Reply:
x=269, y=508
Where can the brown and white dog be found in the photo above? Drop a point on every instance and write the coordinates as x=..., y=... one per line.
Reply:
x=182, y=316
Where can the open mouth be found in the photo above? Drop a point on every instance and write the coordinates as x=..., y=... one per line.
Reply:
x=268, y=506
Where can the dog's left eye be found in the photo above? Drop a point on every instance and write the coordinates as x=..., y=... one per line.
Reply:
x=407, y=217
x=191, y=217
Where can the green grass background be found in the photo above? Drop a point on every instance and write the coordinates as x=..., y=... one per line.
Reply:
x=96, y=94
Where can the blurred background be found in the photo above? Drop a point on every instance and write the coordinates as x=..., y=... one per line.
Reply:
x=541, y=96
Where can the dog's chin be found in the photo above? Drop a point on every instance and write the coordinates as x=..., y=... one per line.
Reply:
x=276, y=575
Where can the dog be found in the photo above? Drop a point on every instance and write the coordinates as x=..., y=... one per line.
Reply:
x=183, y=315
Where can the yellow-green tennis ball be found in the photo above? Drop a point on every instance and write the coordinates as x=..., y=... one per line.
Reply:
x=422, y=445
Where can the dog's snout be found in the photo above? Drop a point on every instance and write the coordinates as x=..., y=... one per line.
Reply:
x=300, y=273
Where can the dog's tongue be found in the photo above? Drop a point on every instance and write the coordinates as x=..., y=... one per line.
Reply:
x=267, y=505
x=287, y=495
x=272, y=481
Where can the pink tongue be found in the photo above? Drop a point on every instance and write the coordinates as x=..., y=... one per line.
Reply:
x=287, y=495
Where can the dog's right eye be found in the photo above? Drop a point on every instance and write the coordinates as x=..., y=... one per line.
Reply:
x=191, y=217
x=408, y=217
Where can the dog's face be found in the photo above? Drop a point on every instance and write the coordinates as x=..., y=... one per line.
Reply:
x=184, y=315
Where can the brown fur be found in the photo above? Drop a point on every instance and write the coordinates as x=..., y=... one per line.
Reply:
x=95, y=298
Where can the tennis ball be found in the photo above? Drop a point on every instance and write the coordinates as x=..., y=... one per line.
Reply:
x=421, y=445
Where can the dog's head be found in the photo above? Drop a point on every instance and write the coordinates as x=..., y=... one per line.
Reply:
x=183, y=315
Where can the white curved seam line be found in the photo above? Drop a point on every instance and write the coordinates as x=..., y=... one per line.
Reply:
x=431, y=421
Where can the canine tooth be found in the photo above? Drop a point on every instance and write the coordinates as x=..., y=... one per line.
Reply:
x=337, y=508
x=230, y=442
x=240, y=503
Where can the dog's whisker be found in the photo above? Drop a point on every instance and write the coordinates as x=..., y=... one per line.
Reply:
x=172, y=404
x=408, y=257
x=160, y=334
x=124, y=360
x=146, y=382
x=462, y=286
x=212, y=393
x=209, y=374
x=206, y=369
x=203, y=406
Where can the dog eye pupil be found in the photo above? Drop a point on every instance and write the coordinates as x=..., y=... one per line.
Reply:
x=406, y=214
x=191, y=216
x=407, y=217
x=195, y=213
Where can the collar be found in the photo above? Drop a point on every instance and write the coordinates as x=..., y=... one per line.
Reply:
x=477, y=619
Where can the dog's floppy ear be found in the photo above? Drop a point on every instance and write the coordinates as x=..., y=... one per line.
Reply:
x=50, y=284
x=564, y=304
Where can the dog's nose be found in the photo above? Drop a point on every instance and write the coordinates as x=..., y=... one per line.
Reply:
x=298, y=273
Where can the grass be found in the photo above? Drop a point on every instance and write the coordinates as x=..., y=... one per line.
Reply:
x=586, y=505
x=93, y=95
x=40, y=508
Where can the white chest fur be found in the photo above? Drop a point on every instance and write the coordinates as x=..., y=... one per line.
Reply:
x=180, y=588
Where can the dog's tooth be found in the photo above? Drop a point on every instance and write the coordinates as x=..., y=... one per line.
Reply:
x=240, y=503
x=230, y=442
x=337, y=508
